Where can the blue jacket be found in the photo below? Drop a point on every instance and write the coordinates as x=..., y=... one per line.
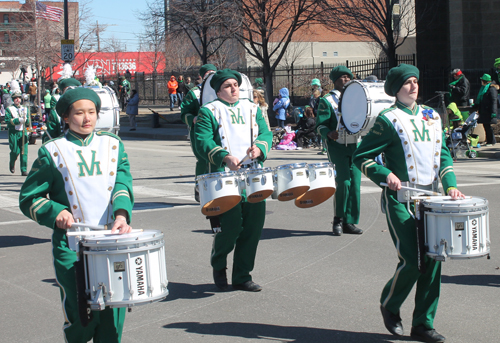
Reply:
x=133, y=105
x=282, y=104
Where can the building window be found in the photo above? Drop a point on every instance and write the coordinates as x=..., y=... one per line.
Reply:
x=335, y=53
x=5, y=18
x=325, y=54
x=6, y=38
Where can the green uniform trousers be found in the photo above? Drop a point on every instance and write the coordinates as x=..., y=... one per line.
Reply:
x=16, y=147
x=346, y=201
x=201, y=165
x=241, y=229
x=403, y=233
x=106, y=326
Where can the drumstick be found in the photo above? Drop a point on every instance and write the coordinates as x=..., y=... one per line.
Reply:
x=92, y=227
x=243, y=160
x=413, y=189
x=92, y=233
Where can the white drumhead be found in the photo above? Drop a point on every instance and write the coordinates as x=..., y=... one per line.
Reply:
x=447, y=204
x=125, y=238
x=354, y=106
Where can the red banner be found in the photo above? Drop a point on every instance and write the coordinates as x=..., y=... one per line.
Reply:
x=112, y=63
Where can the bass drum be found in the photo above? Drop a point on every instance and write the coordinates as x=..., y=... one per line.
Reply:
x=208, y=93
x=360, y=104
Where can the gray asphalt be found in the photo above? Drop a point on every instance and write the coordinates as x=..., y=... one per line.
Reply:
x=316, y=287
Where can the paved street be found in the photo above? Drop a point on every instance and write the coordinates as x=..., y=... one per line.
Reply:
x=316, y=287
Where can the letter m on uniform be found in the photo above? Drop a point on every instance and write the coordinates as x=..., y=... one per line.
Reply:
x=420, y=135
x=235, y=119
x=83, y=166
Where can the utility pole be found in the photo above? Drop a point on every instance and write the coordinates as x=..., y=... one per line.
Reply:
x=66, y=22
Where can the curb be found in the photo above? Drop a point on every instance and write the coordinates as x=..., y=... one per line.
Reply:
x=157, y=136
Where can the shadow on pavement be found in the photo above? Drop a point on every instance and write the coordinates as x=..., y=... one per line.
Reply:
x=281, y=333
x=165, y=177
x=17, y=241
x=52, y=281
x=178, y=290
x=155, y=205
x=472, y=280
x=270, y=233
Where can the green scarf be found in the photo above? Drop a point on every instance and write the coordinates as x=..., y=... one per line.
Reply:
x=482, y=92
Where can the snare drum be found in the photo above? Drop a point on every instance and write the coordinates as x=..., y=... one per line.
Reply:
x=322, y=180
x=258, y=184
x=360, y=104
x=457, y=228
x=125, y=270
x=219, y=192
x=292, y=181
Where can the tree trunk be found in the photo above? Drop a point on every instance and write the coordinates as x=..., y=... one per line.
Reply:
x=268, y=81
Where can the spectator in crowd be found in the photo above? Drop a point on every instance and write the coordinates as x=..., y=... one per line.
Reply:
x=189, y=85
x=6, y=99
x=181, y=89
x=487, y=105
x=32, y=92
x=258, y=98
x=280, y=105
x=459, y=89
x=454, y=116
x=305, y=128
x=314, y=100
x=316, y=85
x=172, y=91
x=46, y=100
x=133, y=109
x=495, y=73
x=199, y=80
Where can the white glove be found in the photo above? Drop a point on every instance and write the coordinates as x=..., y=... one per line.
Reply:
x=22, y=120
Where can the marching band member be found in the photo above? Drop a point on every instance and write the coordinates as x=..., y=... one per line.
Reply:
x=415, y=152
x=222, y=137
x=189, y=110
x=18, y=118
x=346, y=201
x=85, y=177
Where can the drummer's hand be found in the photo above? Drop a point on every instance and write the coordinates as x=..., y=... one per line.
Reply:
x=195, y=119
x=333, y=135
x=393, y=182
x=64, y=220
x=254, y=152
x=231, y=162
x=120, y=223
x=455, y=194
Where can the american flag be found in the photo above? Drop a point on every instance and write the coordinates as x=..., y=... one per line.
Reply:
x=48, y=12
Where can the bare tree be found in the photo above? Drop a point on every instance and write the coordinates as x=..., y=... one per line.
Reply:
x=180, y=53
x=153, y=39
x=388, y=23
x=267, y=28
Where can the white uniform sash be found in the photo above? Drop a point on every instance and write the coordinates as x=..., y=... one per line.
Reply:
x=334, y=101
x=89, y=174
x=421, y=142
x=20, y=112
x=235, y=126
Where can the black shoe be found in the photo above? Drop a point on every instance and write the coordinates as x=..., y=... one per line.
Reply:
x=24, y=173
x=220, y=279
x=337, y=226
x=352, y=229
x=248, y=286
x=421, y=333
x=392, y=322
x=12, y=170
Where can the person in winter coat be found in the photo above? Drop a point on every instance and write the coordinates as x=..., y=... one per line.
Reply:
x=459, y=88
x=133, y=109
x=172, y=91
x=305, y=127
x=281, y=105
x=487, y=105
x=314, y=101
x=181, y=89
x=6, y=98
x=32, y=92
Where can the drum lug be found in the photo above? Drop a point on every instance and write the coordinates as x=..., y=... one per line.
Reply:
x=205, y=185
x=441, y=255
x=263, y=180
x=99, y=305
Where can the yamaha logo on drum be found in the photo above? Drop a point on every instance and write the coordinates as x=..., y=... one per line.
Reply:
x=354, y=125
x=139, y=274
x=138, y=261
x=474, y=234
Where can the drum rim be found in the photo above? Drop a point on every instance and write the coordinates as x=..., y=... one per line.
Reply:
x=292, y=166
x=216, y=174
x=321, y=164
x=147, y=236
x=258, y=170
x=475, y=202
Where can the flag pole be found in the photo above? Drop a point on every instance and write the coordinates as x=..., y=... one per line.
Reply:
x=66, y=25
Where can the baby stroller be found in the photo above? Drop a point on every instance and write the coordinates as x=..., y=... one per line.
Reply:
x=278, y=134
x=459, y=141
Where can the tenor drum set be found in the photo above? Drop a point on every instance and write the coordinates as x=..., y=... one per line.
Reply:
x=119, y=270
x=308, y=184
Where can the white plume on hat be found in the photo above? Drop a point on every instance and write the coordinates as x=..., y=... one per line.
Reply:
x=14, y=86
x=67, y=72
x=90, y=76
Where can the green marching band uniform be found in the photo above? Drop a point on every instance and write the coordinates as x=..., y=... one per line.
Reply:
x=223, y=128
x=17, y=119
x=415, y=151
x=89, y=177
x=348, y=176
x=190, y=107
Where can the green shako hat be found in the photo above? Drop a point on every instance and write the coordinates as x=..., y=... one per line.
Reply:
x=486, y=77
x=397, y=77
x=68, y=83
x=222, y=75
x=206, y=67
x=75, y=94
x=497, y=63
x=339, y=71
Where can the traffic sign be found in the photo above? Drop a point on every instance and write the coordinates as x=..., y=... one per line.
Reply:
x=67, y=50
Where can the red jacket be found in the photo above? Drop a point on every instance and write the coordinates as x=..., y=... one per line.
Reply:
x=172, y=86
